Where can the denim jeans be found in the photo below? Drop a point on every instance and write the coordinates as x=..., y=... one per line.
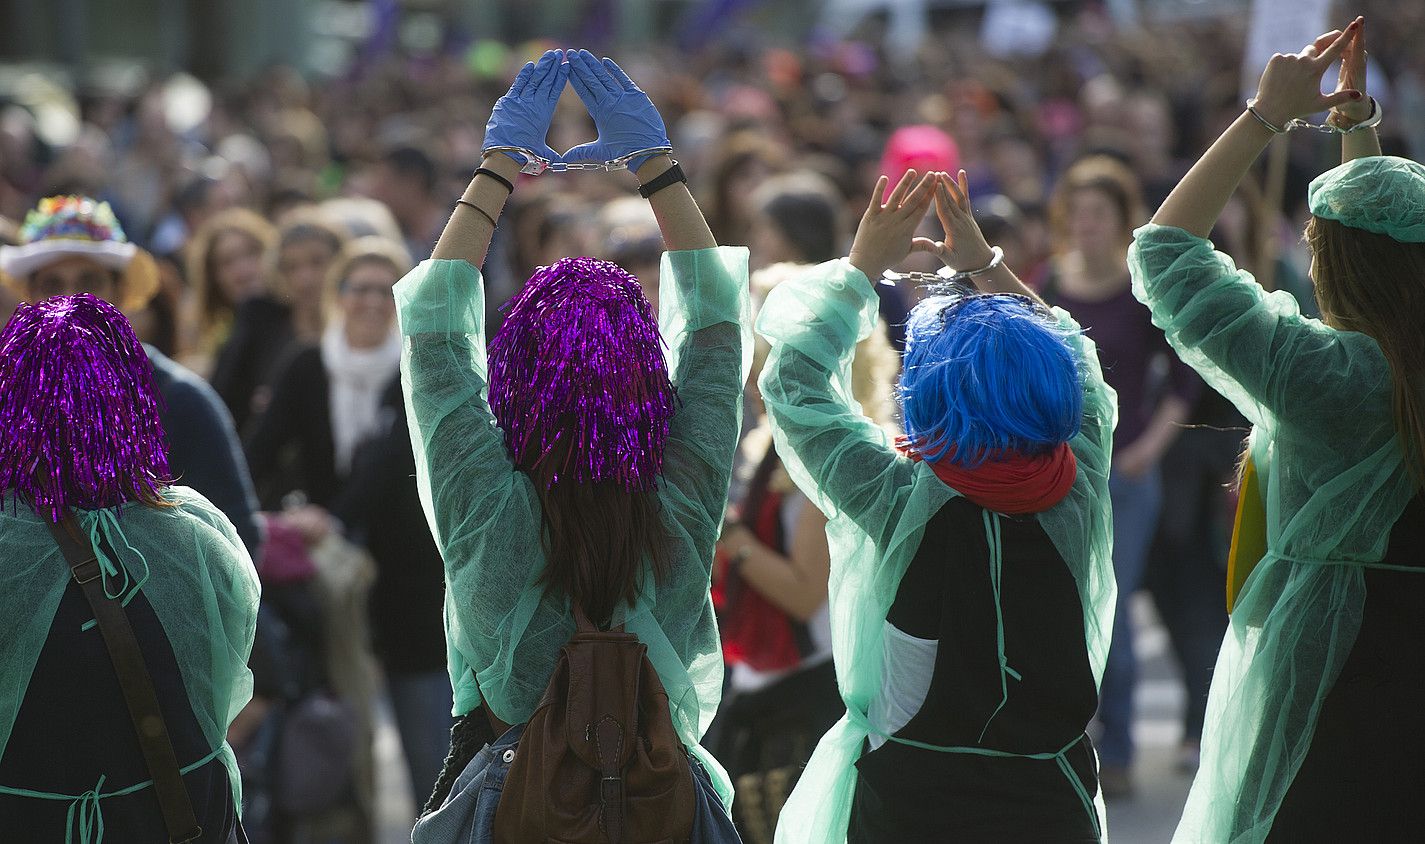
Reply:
x=468, y=814
x=1136, y=505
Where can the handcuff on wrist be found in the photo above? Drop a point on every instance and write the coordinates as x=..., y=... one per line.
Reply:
x=1298, y=123
x=947, y=277
x=534, y=164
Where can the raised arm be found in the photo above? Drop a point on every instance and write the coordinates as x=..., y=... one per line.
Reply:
x=1290, y=88
x=463, y=470
x=844, y=462
x=519, y=119
x=703, y=292
x=1362, y=142
x=1252, y=346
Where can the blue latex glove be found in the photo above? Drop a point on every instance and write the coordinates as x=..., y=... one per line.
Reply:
x=521, y=117
x=625, y=117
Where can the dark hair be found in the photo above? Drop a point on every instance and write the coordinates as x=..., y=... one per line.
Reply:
x=998, y=217
x=1375, y=284
x=809, y=221
x=413, y=163
x=194, y=194
x=596, y=535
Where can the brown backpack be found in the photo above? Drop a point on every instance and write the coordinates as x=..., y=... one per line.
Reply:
x=599, y=761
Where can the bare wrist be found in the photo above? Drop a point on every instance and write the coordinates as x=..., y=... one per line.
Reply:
x=502, y=164
x=653, y=167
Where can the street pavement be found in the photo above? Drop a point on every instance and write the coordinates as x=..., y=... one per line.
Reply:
x=1148, y=816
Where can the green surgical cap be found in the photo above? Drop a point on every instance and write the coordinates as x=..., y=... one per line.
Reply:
x=1380, y=193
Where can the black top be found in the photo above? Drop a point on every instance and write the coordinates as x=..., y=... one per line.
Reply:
x=73, y=726
x=909, y=794
x=378, y=502
x=203, y=449
x=382, y=507
x=261, y=338
x=290, y=446
x=1370, y=737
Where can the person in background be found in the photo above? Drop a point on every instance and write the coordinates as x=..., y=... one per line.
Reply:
x=1095, y=207
x=269, y=327
x=405, y=179
x=771, y=596
x=971, y=579
x=74, y=244
x=227, y=262
x=630, y=238
x=378, y=507
x=1314, y=727
x=84, y=450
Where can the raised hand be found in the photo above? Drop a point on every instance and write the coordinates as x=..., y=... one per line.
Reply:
x=964, y=246
x=626, y=119
x=521, y=117
x=883, y=239
x=1290, y=87
x=1352, y=78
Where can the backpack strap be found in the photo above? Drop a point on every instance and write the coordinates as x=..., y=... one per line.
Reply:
x=134, y=680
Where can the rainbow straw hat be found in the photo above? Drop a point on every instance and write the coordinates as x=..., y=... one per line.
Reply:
x=77, y=226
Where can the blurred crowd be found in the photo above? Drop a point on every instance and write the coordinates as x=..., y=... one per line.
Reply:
x=281, y=210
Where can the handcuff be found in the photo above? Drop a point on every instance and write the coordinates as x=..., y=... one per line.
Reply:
x=534, y=164
x=947, y=280
x=1329, y=128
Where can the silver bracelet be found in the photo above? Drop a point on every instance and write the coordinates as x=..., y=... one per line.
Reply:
x=535, y=164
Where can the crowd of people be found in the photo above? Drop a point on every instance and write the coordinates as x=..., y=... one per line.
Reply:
x=387, y=451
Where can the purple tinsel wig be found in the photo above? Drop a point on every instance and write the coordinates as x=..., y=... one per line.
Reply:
x=78, y=409
x=578, y=361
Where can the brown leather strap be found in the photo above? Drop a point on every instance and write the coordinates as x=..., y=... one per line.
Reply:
x=137, y=685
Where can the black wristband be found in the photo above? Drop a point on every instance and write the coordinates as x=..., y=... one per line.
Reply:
x=486, y=171
x=671, y=176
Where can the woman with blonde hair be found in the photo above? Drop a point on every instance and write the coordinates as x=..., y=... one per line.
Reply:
x=226, y=262
x=1314, y=727
x=291, y=312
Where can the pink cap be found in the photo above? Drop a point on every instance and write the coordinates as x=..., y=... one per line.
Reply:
x=921, y=148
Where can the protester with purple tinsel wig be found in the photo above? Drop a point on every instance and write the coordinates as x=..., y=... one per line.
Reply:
x=579, y=461
x=82, y=439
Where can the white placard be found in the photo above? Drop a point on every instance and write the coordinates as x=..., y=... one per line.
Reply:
x=1280, y=26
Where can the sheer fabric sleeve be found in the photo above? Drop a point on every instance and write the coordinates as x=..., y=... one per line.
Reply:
x=703, y=315
x=845, y=463
x=484, y=514
x=1252, y=346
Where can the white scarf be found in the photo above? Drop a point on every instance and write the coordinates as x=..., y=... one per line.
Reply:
x=358, y=377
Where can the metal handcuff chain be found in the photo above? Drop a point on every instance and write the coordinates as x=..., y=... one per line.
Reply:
x=945, y=276
x=1328, y=128
x=534, y=165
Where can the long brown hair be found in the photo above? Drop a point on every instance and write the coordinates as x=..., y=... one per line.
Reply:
x=201, y=258
x=596, y=535
x=1375, y=284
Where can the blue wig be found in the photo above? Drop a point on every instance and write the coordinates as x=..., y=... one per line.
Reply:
x=986, y=375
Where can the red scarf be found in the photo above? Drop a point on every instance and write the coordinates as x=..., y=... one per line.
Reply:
x=1014, y=484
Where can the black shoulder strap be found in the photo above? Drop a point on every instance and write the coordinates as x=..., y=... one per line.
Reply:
x=134, y=679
